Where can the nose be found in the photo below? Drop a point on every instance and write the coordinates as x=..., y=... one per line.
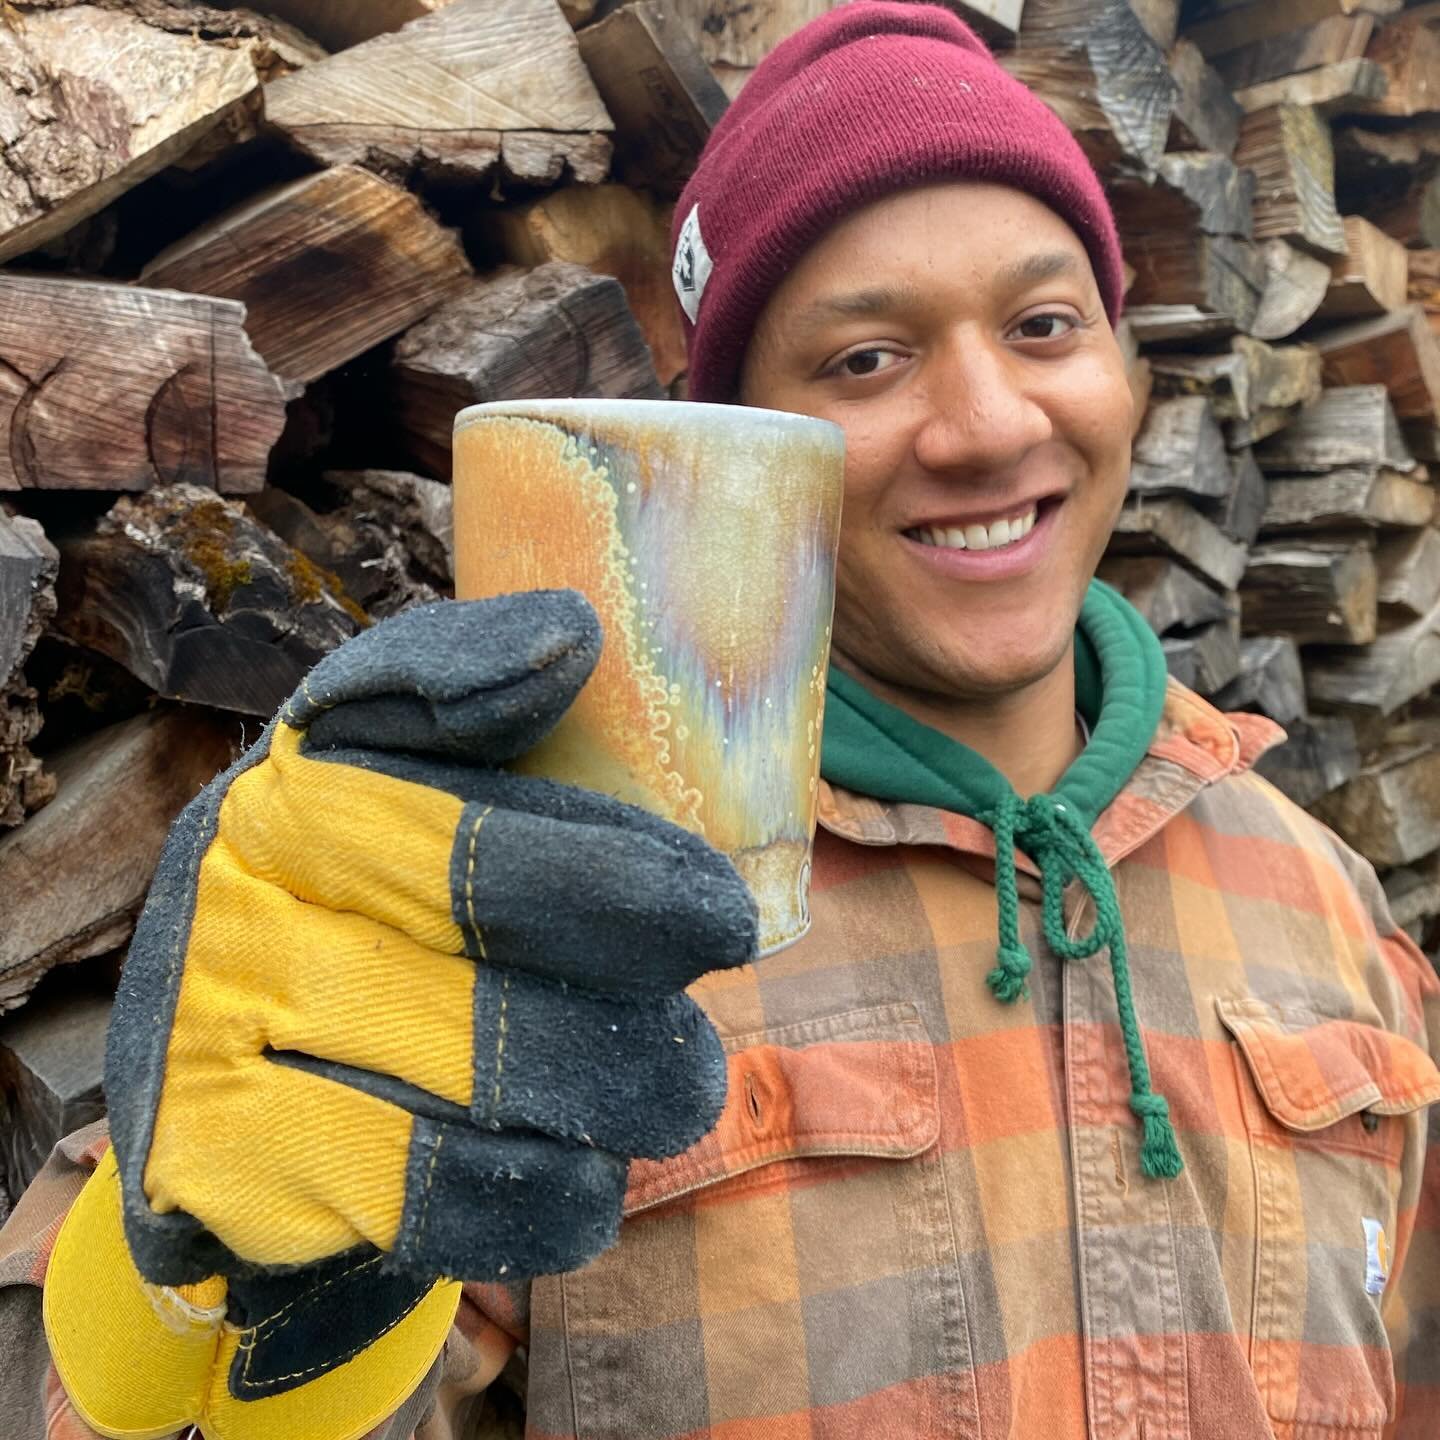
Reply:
x=981, y=408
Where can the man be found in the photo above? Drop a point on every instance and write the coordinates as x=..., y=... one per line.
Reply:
x=1098, y=1113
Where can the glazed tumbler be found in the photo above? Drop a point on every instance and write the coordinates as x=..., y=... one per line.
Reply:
x=704, y=536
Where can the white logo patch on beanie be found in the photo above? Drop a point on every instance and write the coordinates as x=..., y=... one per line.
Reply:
x=692, y=266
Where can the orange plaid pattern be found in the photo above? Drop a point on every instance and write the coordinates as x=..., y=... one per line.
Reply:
x=922, y=1213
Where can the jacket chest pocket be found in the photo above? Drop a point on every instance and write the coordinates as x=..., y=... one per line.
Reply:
x=1330, y=1107
x=800, y=1257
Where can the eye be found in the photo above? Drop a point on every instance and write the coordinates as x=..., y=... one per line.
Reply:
x=1048, y=325
x=860, y=363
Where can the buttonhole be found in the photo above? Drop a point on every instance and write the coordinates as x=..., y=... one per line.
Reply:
x=1370, y=1120
x=752, y=1099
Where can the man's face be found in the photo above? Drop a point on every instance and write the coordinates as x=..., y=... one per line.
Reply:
x=957, y=335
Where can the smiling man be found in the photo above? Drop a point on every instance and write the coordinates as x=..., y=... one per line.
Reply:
x=1093, y=1105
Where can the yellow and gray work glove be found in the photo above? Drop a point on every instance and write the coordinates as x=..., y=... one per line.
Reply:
x=391, y=1013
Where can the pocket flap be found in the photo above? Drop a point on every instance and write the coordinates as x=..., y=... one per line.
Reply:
x=861, y=1084
x=1312, y=1071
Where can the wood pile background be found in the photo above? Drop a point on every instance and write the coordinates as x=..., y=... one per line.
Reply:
x=253, y=260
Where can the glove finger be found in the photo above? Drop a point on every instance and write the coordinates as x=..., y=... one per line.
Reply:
x=480, y=680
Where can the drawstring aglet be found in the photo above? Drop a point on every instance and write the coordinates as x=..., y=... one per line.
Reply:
x=1159, y=1150
x=1008, y=980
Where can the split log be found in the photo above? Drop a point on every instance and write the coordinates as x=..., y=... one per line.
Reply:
x=1191, y=191
x=1412, y=893
x=1171, y=527
x=200, y=603
x=661, y=95
x=1280, y=375
x=110, y=387
x=94, y=99
x=327, y=267
x=1318, y=754
x=1422, y=283
x=614, y=231
x=1221, y=377
x=1289, y=149
x=1390, y=811
x=1370, y=278
x=1390, y=176
x=1408, y=569
x=1240, y=513
x=1206, y=116
x=1164, y=324
x=28, y=563
x=1407, y=52
x=1271, y=681
x=1249, y=377
x=52, y=1070
x=1317, y=592
x=1382, y=676
x=1229, y=26
x=1295, y=287
x=1306, y=47
x=1357, y=495
x=1398, y=351
x=555, y=331
x=478, y=89
x=1346, y=425
x=1137, y=374
x=68, y=900
x=1206, y=661
x=1218, y=274
x=1168, y=595
x=338, y=24
x=1180, y=450
x=1349, y=88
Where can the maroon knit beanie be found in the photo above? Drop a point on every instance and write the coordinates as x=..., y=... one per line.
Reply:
x=874, y=97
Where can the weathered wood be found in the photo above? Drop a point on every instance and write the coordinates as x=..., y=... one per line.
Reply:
x=1170, y=527
x=614, y=231
x=67, y=898
x=1219, y=274
x=1346, y=425
x=1137, y=374
x=1289, y=149
x=1252, y=22
x=661, y=95
x=1165, y=324
x=94, y=99
x=1359, y=495
x=1370, y=278
x=1271, y=681
x=1180, y=451
x=1408, y=571
x=1194, y=190
x=1413, y=894
x=52, y=1069
x=1206, y=661
x=1390, y=811
x=1206, y=116
x=1318, y=754
x=1325, y=42
x=1240, y=513
x=1169, y=596
x=480, y=89
x=1408, y=53
x=1295, y=287
x=327, y=267
x=1317, y=592
x=1280, y=375
x=28, y=563
x=558, y=330
x=1248, y=377
x=1398, y=351
x=1382, y=676
x=1349, y=88
x=111, y=387
x=200, y=603
x=1392, y=177
x=1222, y=377
x=338, y=24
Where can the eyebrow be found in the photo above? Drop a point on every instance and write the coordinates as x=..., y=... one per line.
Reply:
x=1035, y=268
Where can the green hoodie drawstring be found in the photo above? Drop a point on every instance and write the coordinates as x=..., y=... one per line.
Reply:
x=1044, y=828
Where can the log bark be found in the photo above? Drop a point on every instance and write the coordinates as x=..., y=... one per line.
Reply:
x=1353, y=496
x=610, y=230
x=1289, y=148
x=1169, y=596
x=95, y=98
x=480, y=89
x=1180, y=450
x=1319, y=754
x=28, y=563
x=327, y=267
x=1370, y=278
x=1346, y=425
x=1271, y=681
x=67, y=899
x=555, y=331
x=1316, y=592
x=1408, y=570
x=200, y=603
x=661, y=95
x=1170, y=527
x=1390, y=811
x=112, y=387
x=1398, y=351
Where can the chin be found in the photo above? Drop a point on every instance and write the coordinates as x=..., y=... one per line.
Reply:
x=998, y=669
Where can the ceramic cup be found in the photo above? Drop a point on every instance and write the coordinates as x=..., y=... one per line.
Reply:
x=704, y=536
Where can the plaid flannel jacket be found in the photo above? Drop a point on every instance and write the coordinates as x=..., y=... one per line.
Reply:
x=922, y=1213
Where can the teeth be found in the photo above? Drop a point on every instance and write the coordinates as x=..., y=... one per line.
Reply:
x=977, y=537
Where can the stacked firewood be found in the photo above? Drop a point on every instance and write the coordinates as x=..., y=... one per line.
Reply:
x=253, y=260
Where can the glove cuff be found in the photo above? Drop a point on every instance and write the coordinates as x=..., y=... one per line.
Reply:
x=141, y=1361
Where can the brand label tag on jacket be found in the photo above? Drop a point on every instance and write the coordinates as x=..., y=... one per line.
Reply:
x=1377, y=1256
x=692, y=266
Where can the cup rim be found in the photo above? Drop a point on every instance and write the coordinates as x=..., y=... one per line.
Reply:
x=695, y=410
